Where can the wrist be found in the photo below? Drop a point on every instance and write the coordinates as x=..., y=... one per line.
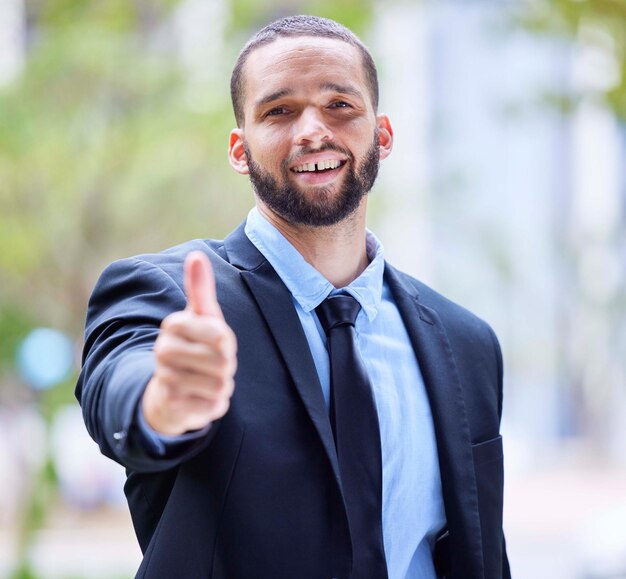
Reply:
x=153, y=408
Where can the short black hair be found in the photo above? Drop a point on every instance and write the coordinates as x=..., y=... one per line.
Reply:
x=293, y=26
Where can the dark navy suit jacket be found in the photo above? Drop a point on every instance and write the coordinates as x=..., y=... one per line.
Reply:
x=260, y=495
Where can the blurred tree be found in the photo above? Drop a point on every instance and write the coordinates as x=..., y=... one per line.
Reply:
x=249, y=15
x=597, y=22
x=104, y=150
x=102, y=155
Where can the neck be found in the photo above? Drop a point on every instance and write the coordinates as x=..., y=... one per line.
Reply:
x=336, y=251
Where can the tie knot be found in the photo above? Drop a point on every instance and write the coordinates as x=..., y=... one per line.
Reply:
x=337, y=311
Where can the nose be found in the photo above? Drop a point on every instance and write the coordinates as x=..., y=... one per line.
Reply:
x=311, y=128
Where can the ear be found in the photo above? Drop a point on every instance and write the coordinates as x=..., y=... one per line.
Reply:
x=236, y=152
x=385, y=135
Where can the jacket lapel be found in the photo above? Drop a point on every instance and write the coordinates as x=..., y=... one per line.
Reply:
x=439, y=370
x=275, y=303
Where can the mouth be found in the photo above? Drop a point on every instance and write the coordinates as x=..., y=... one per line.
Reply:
x=320, y=172
x=319, y=166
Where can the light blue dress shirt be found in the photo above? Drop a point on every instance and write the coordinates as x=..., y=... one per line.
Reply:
x=413, y=510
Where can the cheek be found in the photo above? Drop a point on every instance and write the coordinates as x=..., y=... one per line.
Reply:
x=271, y=147
x=356, y=134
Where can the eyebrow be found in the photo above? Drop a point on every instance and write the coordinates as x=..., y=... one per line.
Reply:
x=273, y=97
x=329, y=86
x=345, y=89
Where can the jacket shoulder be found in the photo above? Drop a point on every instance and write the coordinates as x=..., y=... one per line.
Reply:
x=175, y=255
x=450, y=312
x=167, y=263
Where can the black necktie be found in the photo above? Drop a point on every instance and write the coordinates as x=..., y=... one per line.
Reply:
x=354, y=421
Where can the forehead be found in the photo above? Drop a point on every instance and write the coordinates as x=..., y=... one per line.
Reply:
x=301, y=63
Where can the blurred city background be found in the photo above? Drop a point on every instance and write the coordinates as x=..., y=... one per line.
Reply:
x=506, y=191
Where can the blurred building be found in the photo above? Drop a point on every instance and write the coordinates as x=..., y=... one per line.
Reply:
x=12, y=39
x=513, y=208
x=516, y=208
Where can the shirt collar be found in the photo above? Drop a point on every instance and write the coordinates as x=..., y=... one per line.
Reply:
x=307, y=285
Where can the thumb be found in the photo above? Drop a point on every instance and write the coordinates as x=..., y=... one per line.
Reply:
x=200, y=285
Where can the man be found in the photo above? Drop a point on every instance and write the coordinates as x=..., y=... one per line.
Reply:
x=232, y=397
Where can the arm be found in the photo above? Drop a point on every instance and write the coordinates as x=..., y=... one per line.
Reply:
x=145, y=343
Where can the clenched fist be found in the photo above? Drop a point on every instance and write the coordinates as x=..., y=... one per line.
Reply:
x=196, y=359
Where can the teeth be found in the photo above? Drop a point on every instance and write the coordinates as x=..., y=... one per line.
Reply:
x=320, y=166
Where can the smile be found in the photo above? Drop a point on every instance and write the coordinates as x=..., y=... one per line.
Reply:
x=323, y=165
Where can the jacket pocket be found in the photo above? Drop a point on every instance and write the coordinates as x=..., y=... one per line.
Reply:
x=489, y=469
x=487, y=451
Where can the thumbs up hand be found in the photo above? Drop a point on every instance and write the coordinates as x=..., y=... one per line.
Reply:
x=196, y=359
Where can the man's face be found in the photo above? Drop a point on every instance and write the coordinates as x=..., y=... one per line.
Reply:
x=311, y=142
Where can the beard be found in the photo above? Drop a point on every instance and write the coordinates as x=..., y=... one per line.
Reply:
x=323, y=207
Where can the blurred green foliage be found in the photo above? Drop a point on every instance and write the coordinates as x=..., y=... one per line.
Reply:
x=600, y=23
x=14, y=326
x=33, y=517
x=101, y=155
x=250, y=15
x=107, y=149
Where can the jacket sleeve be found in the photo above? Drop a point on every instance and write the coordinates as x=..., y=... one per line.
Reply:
x=506, y=570
x=124, y=314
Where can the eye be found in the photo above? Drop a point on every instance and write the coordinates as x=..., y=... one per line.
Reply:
x=340, y=105
x=276, y=111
